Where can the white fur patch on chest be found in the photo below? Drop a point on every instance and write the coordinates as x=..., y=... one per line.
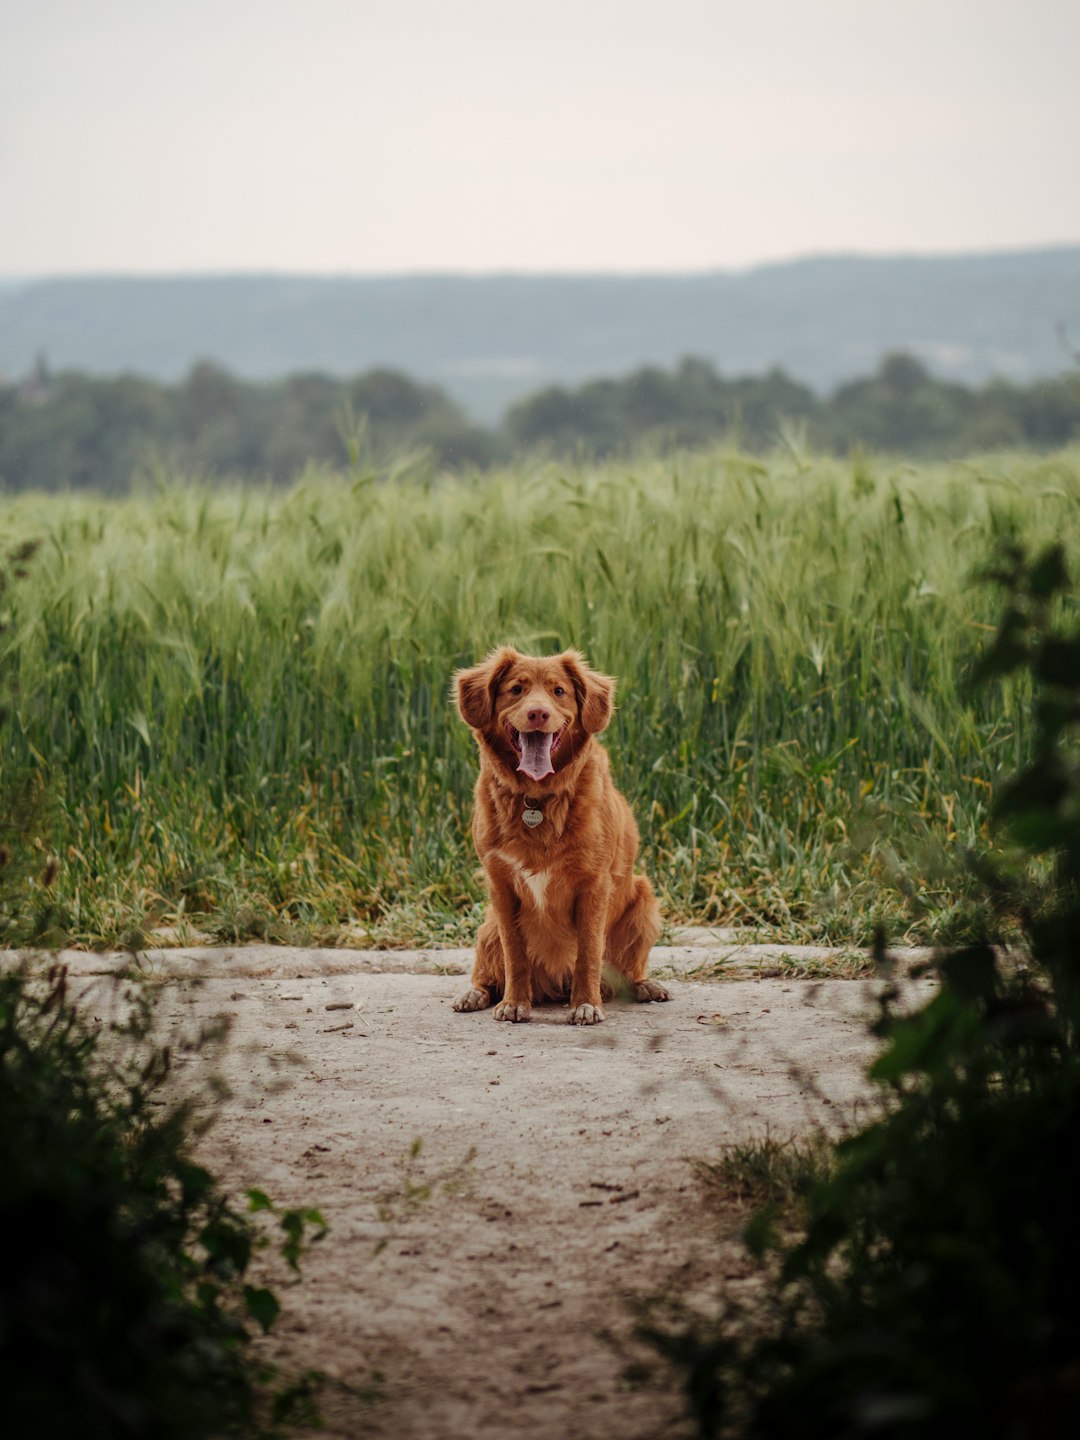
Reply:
x=535, y=880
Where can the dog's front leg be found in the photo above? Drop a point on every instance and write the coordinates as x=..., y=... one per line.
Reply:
x=516, y=1003
x=590, y=914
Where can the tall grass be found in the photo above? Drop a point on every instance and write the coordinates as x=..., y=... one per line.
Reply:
x=240, y=696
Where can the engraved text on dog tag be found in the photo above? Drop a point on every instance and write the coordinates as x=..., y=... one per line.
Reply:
x=532, y=818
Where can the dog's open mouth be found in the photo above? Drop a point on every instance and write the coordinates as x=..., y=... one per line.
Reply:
x=535, y=750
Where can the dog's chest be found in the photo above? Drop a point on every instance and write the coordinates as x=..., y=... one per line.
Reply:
x=529, y=883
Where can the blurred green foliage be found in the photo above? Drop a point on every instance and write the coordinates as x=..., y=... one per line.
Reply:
x=903, y=409
x=127, y=1307
x=72, y=431
x=75, y=431
x=933, y=1290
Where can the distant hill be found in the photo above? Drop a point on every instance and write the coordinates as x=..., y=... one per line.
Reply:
x=491, y=339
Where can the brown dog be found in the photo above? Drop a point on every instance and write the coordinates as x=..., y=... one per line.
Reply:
x=557, y=840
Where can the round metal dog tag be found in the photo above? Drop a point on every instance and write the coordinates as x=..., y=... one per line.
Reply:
x=532, y=818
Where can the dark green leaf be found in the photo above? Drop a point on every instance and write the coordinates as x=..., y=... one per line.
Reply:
x=1039, y=830
x=922, y=1042
x=262, y=1305
x=1041, y=787
x=292, y=1222
x=760, y=1234
x=1055, y=713
x=1058, y=663
x=1008, y=650
x=971, y=972
x=227, y=1242
x=1049, y=573
x=195, y=1181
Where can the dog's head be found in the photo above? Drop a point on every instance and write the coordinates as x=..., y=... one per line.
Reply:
x=534, y=713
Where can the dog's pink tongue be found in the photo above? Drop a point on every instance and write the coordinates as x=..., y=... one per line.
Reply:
x=536, y=754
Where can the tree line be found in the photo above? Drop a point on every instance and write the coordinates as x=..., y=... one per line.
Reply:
x=71, y=430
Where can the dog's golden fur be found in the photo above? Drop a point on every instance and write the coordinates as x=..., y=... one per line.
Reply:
x=565, y=900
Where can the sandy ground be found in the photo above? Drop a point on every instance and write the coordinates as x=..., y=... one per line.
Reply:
x=485, y=1277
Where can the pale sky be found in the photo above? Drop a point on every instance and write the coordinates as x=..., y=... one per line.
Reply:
x=466, y=135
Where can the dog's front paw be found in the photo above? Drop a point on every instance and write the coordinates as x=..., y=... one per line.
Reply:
x=650, y=990
x=586, y=1015
x=473, y=1000
x=505, y=1010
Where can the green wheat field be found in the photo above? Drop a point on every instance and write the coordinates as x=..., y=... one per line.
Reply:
x=234, y=702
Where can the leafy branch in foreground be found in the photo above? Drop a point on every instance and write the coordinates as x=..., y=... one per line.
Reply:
x=126, y=1304
x=26, y=872
x=127, y=1307
x=934, y=1286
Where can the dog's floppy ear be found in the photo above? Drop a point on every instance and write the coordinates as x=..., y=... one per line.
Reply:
x=595, y=693
x=474, y=689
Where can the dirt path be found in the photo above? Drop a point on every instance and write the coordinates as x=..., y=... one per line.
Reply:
x=482, y=1275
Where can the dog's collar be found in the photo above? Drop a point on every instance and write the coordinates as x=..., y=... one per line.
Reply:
x=533, y=814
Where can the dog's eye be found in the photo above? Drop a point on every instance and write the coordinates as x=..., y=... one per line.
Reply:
x=515, y=689
x=559, y=690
